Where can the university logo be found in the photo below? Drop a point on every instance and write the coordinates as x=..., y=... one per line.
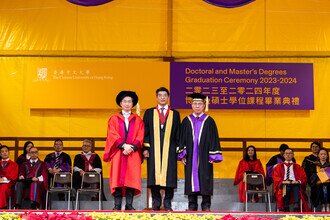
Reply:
x=42, y=74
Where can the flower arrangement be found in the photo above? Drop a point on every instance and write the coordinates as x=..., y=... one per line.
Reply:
x=9, y=216
x=54, y=216
x=149, y=216
x=141, y=216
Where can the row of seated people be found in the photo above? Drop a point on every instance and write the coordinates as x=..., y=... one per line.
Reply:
x=289, y=179
x=29, y=177
x=279, y=171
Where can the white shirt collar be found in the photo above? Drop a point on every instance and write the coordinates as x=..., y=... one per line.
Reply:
x=165, y=107
x=36, y=160
x=126, y=114
x=88, y=153
x=200, y=115
x=5, y=159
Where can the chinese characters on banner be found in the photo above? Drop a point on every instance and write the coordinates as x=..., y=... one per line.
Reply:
x=244, y=85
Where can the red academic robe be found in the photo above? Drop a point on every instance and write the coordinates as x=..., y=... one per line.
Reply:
x=244, y=166
x=125, y=170
x=10, y=171
x=278, y=177
x=36, y=191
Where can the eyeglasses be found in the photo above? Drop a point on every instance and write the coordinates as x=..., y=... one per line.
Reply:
x=86, y=145
x=33, y=152
x=198, y=103
x=127, y=101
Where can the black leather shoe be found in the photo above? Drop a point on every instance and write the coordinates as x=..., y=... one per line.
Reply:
x=129, y=207
x=191, y=210
x=17, y=206
x=156, y=208
x=296, y=209
x=117, y=207
x=207, y=209
x=168, y=209
x=33, y=205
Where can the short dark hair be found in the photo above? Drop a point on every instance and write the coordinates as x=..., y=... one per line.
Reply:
x=322, y=148
x=283, y=147
x=289, y=149
x=162, y=89
x=58, y=140
x=317, y=143
x=4, y=146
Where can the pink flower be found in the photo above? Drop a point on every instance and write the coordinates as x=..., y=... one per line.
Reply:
x=228, y=217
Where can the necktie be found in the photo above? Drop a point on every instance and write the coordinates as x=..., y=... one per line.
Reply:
x=162, y=112
x=57, y=160
x=4, y=163
x=33, y=163
x=126, y=116
x=288, y=171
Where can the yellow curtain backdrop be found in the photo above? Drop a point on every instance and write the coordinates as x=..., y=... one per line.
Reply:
x=144, y=30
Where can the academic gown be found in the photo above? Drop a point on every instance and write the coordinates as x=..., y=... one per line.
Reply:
x=276, y=159
x=64, y=163
x=10, y=171
x=198, y=153
x=79, y=162
x=310, y=170
x=125, y=170
x=317, y=192
x=278, y=177
x=245, y=166
x=21, y=159
x=37, y=190
x=162, y=144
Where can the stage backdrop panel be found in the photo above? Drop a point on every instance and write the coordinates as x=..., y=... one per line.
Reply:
x=92, y=84
x=244, y=85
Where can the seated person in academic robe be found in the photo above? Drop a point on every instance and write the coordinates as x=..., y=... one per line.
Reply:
x=87, y=161
x=32, y=181
x=272, y=163
x=57, y=162
x=322, y=188
x=25, y=155
x=290, y=178
x=249, y=164
x=8, y=176
x=310, y=168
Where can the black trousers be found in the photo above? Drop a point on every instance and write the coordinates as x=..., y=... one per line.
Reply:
x=295, y=190
x=193, y=199
x=157, y=197
x=119, y=196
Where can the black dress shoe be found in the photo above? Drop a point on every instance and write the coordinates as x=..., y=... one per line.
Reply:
x=156, y=208
x=117, y=207
x=296, y=209
x=17, y=206
x=129, y=207
x=191, y=210
x=207, y=209
x=169, y=209
x=33, y=205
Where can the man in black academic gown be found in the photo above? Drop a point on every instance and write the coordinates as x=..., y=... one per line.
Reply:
x=162, y=133
x=57, y=162
x=86, y=161
x=308, y=164
x=199, y=149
